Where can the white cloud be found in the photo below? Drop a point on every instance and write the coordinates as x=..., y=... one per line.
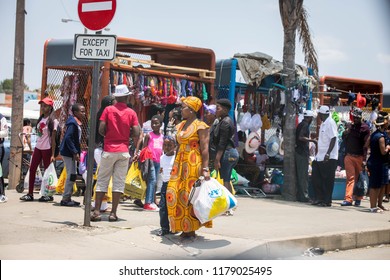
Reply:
x=383, y=58
x=329, y=49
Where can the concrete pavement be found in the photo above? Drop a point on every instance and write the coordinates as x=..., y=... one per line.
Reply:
x=261, y=228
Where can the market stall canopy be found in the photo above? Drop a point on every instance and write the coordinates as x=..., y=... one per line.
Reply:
x=256, y=66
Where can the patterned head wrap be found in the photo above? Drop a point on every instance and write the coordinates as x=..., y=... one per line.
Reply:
x=193, y=102
x=212, y=109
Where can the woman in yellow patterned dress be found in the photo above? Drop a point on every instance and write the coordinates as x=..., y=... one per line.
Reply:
x=192, y=160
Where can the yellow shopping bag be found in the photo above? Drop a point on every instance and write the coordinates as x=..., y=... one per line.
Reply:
x=216, y=175
x=108, y=196
x=61, y=183
x=135, y=187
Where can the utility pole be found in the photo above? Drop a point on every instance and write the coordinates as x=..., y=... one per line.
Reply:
x=17, y=98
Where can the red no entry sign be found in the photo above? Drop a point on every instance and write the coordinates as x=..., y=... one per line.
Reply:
x=96, y=14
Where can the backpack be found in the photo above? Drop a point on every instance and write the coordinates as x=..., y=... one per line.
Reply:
x=58, y=141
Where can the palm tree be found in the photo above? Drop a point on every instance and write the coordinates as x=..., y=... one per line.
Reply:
x=294, y=18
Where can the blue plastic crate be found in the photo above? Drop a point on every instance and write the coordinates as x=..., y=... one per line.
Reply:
x=338, y=189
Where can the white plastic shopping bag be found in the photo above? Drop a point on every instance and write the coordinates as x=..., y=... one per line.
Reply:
x=49, y=181
x=210, y=199
x=37, y=182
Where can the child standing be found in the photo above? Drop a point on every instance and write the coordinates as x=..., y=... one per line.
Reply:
x=261, y=160
x=70, y=151
x=166, y=162
x=154, y=141
x=44, y=150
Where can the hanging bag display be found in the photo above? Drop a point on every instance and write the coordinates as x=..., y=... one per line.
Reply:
x=210, y=199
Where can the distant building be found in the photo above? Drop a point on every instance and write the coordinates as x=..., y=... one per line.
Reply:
x=6, y=98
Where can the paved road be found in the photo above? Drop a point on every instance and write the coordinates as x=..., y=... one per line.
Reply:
x=260, y=229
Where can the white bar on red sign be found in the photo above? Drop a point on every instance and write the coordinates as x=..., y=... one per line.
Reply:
x=97, y=6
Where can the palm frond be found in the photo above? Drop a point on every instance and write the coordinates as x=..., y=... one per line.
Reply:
x=308, y=48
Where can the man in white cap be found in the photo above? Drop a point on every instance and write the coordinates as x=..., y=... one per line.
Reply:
x=325, y=163
x=118, y=123
x=302, y=155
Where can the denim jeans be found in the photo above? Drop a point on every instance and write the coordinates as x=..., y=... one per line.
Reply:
x=152, y=182
x=228, y=161
x=164, y=223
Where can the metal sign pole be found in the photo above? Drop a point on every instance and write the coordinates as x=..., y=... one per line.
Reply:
x=91, y=142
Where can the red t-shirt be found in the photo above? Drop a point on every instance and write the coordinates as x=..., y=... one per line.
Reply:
x=119, y=120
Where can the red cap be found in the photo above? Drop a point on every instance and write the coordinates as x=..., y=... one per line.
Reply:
x=47, y=101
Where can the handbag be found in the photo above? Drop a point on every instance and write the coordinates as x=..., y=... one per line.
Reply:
x=135, y=186
x=210, y=199
x=49, y=181
x=361, y=186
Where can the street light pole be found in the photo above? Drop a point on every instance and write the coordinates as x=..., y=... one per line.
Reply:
x=66, y=20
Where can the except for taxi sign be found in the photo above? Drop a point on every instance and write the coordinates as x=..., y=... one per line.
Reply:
x=94, y=47
x=96, y=14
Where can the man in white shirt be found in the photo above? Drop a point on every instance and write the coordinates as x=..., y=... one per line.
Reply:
x=325, y=163
x=3, y=135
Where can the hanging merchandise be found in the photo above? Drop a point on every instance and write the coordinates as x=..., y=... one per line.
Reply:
x=245, y=121
x=172, y=97
x=183, y=88
x=205, y=95
x=255, y=122
x=266, y=122
x=272, y=146
x=282, y=98
x=360, y=100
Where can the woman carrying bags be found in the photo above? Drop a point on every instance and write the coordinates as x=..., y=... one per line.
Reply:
x=44, y=150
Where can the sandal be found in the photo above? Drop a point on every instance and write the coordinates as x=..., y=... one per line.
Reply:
x=27, y=197
x=105, y=210
x=383, y=208
x=376, y=210
x=45, y=198
x=95, y=217
x=113, y=217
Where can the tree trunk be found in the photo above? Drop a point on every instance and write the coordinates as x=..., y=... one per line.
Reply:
x=289, y=187
x=17, y=98
x=289, y=12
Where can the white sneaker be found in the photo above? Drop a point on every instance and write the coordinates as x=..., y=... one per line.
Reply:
x=3, y=198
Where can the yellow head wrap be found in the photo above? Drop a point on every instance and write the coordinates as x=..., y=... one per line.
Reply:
x=193, y=102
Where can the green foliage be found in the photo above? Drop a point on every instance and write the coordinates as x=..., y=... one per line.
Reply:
x=6, y=85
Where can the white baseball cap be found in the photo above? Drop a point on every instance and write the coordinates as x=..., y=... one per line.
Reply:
x=323, y=110
x=308, y=113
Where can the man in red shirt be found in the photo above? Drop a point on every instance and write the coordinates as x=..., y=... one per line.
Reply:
x=117, y=124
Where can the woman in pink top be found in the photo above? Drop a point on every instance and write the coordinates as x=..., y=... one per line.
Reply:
x=45, y=147
x=154, y=141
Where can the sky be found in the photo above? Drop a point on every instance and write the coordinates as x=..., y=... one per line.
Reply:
x=351, y=37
